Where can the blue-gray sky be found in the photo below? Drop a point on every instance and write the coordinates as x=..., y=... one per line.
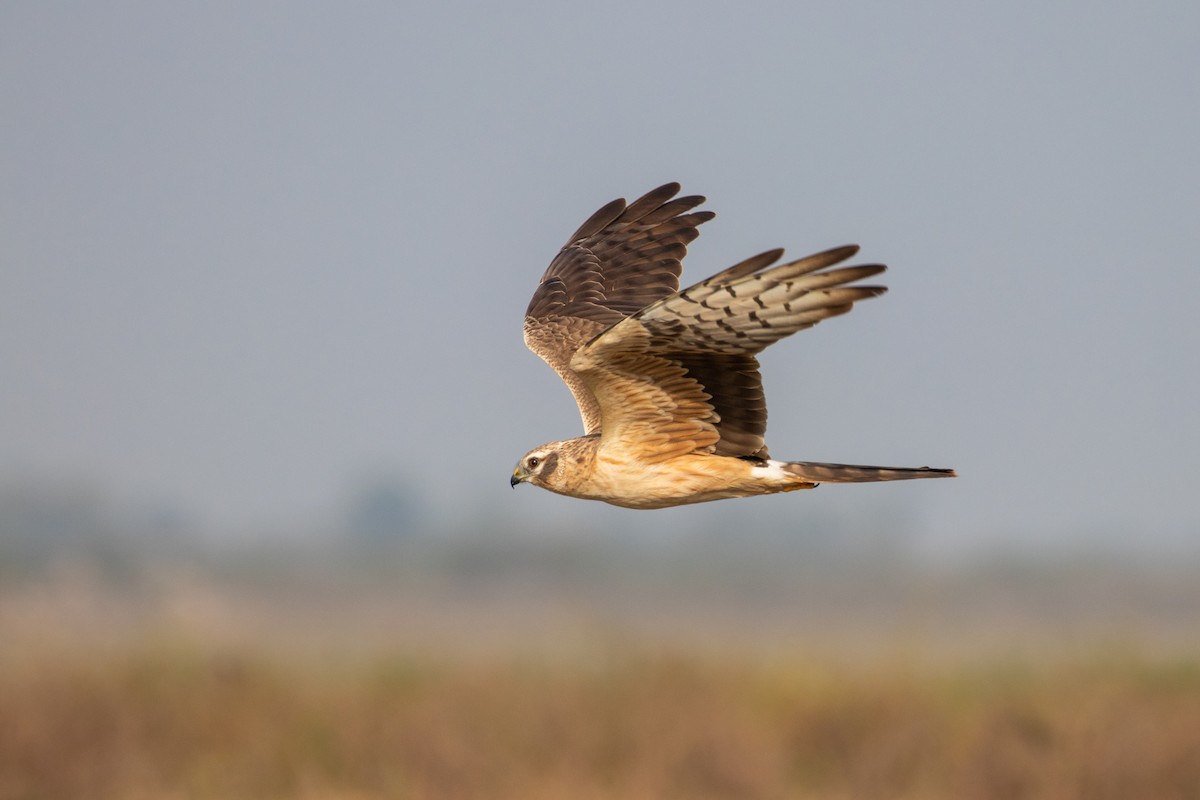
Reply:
x=249, y=252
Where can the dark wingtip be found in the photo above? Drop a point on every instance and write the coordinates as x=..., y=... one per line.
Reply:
x=599, y=220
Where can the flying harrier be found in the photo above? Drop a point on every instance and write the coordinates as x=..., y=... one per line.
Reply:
x=667, y=381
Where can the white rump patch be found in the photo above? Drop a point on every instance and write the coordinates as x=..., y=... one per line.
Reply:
x=774, y=470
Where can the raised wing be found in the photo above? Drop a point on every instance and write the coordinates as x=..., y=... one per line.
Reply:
x=621, y=260
x=681, y=375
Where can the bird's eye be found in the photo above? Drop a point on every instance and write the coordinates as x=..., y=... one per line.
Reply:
x=533, y=462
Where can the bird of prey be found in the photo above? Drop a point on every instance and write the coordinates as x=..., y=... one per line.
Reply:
x=667, y=381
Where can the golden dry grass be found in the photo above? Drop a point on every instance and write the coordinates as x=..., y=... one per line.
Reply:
x=177, y=683
x=170, y=721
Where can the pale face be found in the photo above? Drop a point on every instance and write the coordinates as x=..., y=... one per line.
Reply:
x=535, y=467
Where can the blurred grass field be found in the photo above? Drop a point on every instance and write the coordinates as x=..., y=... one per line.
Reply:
x=552, y=680
x=158, y=721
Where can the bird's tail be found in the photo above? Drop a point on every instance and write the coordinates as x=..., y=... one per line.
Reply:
x=818, y=472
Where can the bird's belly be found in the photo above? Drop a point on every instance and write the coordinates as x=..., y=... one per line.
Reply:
x=695, y=478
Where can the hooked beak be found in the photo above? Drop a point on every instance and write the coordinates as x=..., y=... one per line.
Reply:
x=515, y=479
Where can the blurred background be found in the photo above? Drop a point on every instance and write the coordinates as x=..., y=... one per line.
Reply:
x=262, y=382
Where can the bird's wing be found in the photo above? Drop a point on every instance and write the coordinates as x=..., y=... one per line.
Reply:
x=621, y=260
x=681, y=375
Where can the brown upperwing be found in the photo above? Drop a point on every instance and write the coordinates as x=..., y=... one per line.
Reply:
x=621, y=260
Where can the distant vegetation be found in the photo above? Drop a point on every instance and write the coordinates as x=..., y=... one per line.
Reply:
x=170, y=721
x=138, y=660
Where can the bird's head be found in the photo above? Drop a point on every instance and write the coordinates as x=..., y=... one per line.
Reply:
x=537, y=466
